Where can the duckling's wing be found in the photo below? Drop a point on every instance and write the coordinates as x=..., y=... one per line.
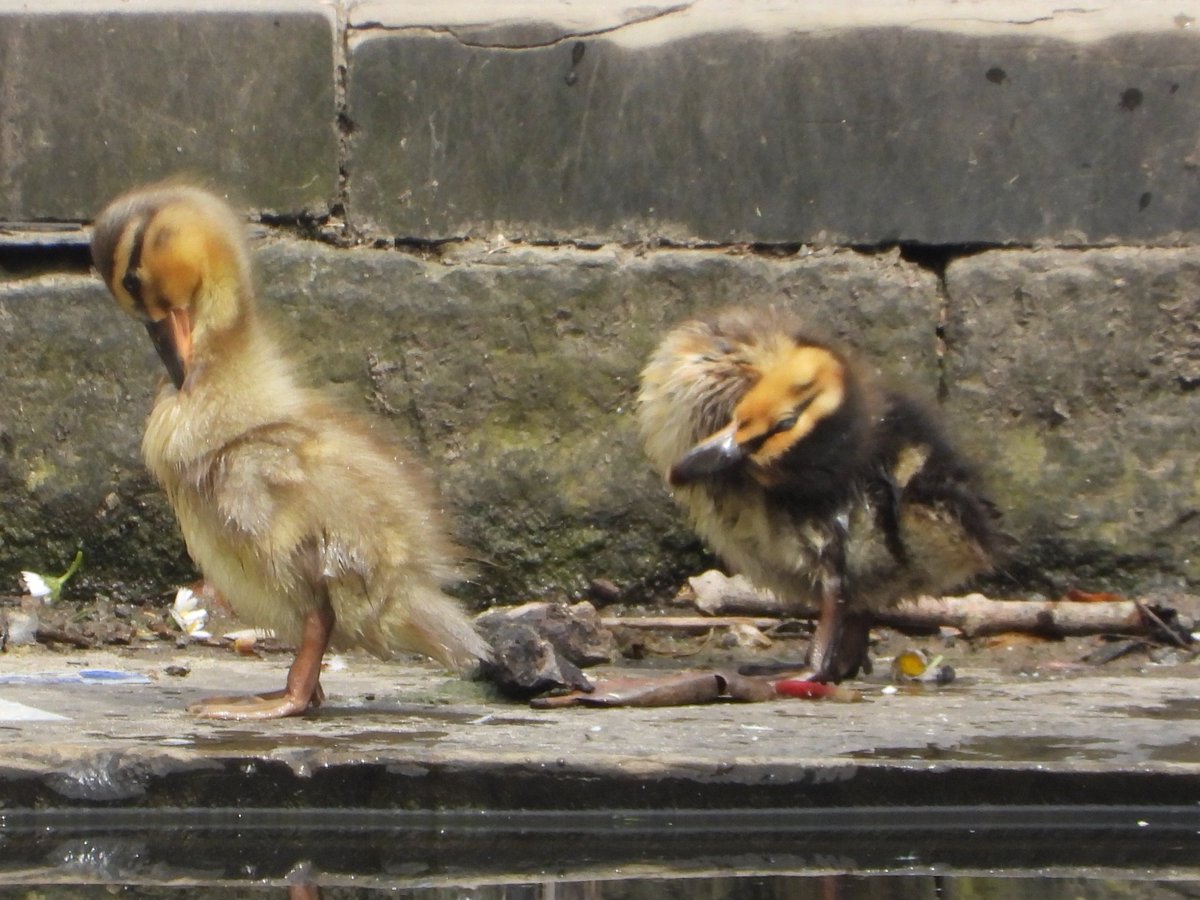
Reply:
x=255, y=479
x=929, y=507
x=929, y=472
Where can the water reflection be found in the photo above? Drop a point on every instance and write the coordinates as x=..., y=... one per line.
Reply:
x=665, y=887
x=970, y=853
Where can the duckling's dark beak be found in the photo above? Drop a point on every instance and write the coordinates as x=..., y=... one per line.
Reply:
x=712, y=455
x=172, y=337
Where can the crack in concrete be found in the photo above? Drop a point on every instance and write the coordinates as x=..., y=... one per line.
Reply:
x=341, y=91
x=1036, y=20
x=456, y=32
x=942, y=343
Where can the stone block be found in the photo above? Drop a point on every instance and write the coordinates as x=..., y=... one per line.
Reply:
x=99, y=97
x=935, y=122
x=1074, y=374
x=511, y=374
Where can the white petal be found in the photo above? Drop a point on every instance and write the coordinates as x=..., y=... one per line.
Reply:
x=36, y=584
x=192, y=621
x=189, y=620
x=185, y=599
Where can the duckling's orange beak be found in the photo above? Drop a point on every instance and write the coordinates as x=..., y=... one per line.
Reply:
x=172, y=337
x=714, y=454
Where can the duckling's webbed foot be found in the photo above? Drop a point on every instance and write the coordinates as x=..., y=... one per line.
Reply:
x=271, y=705
x=838, y=651
x=839, y=647
x=303, y=691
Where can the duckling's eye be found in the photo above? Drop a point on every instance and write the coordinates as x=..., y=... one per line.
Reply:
x=132, y=283
x=787, y=423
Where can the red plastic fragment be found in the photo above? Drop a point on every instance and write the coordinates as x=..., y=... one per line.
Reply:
x=805, y=690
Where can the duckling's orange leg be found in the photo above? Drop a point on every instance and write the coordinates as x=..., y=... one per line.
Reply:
x=303, y=689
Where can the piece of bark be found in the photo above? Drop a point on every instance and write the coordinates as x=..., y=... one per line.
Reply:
x=48, y=634
x=692, y=687
x=539, y=647
x=684, y=689
x=1106, y=653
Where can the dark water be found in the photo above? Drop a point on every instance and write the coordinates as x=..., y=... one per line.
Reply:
x=971, y=853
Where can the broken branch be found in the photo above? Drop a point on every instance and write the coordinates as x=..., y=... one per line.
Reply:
x=975, y=615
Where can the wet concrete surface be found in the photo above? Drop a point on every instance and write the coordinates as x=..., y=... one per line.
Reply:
x=405, y=735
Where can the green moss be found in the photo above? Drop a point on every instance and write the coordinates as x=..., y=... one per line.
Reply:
x=1023, y=453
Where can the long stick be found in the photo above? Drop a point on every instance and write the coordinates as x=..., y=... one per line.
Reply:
x=718, y=595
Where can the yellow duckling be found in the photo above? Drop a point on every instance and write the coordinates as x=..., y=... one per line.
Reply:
x=306, y=521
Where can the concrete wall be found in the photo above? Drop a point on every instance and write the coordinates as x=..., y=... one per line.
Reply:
x=478, y=224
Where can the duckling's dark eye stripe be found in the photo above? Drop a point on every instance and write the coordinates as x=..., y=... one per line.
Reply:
x=130, y=281
x=753, y=445
x=797, y=412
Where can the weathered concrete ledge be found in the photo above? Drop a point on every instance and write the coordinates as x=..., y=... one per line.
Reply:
x=933, y=122
x=101, y=96
x=454, y=746
x=1072, y=376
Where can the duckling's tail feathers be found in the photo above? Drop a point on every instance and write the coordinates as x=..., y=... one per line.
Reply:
x=414, y=617
x=441, y=630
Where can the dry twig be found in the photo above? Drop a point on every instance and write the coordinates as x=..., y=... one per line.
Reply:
x=975, y=615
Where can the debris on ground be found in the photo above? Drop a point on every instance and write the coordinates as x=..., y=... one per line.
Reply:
x=83, y=676
x=916, y=665
x=717, y=594
x=692, y=687
x=190, y=615
x=540, y=647
x=734, y=636
x=249, y=641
